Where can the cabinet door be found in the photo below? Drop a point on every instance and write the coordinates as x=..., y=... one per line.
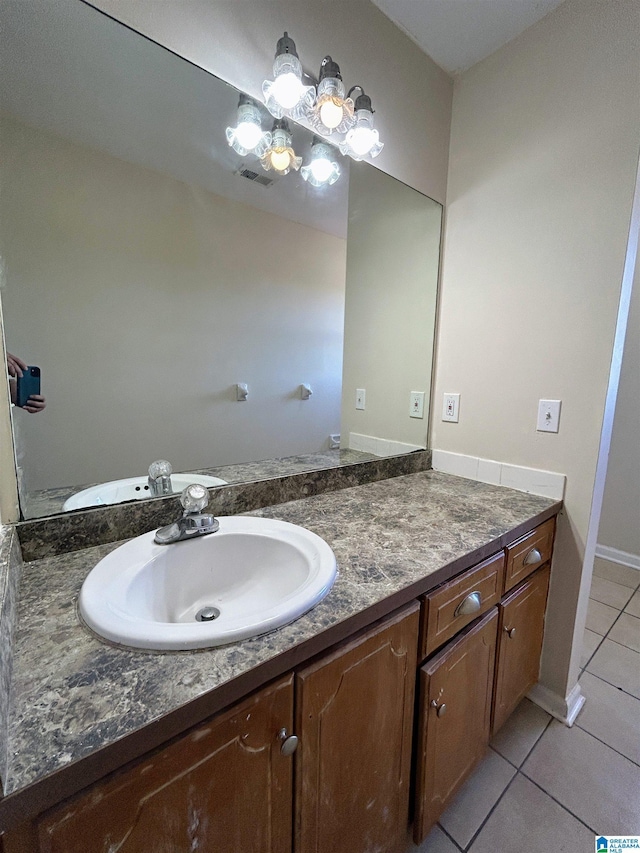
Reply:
x=355, y=718
x=520, y=644
x=225, y=787
x=453, y=718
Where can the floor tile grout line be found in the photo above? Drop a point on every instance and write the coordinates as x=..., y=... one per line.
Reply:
x=626, y=604
x=557, y=802
x=604, y=743
x=610, y=683
x=491, y=811
x=450, y=837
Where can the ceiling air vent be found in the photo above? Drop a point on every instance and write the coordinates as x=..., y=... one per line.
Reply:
x=256, y=177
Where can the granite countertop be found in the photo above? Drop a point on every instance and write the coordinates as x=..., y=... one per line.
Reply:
x=73, y=694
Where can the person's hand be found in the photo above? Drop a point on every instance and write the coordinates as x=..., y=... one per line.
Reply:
x=15, y=365
x=35, y=403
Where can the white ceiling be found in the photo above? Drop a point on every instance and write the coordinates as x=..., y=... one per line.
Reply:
x=458, y=33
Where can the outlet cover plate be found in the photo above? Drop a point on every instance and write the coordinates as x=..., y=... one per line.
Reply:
x=451, y=408
x=416, y=404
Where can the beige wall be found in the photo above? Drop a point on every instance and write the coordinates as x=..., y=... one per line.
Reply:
x=144, y=300
x=237, y=40
x=392, y=274
x=619, y=526
x=544, y=150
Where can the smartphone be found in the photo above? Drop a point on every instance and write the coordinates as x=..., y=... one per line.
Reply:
x=27, y=384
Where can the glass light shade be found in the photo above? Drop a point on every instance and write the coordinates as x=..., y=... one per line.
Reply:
x=322, y=169
x=286, y=95
x=363, y=139
x=332, y=111
x=281, y=157
x=247, y=136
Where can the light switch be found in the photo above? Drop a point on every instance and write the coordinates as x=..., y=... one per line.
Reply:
x=360, y=397
x=549, y=415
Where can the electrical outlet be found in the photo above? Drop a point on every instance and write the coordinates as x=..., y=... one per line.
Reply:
x=360, y=397
x=451, y=408
x=416, y=404
x=548, y=415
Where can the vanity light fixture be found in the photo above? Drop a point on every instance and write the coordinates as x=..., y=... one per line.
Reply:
x=286, y=95
x=248, y=136
x=362, y=139
x=281, y=157
x=322, y=169
x=332, y=111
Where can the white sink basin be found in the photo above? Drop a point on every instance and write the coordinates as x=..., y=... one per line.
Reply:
x=134, y=488
x=258, y=573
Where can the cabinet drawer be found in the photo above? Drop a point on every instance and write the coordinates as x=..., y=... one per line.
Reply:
x=528, y=553
x=458, y=602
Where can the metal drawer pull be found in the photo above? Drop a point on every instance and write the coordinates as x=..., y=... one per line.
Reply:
x=440, y=709
x=471, y=604
x=289, y=742
x=510, y=631
x=534, y=556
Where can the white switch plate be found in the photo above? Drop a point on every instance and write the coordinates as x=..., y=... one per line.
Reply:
x=549, y=415
x=360, y=397
x=416, y=404
x=451, y=408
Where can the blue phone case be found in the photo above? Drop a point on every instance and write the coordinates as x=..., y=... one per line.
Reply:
x=27, y=384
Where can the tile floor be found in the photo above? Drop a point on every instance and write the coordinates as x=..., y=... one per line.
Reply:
x=543, y=786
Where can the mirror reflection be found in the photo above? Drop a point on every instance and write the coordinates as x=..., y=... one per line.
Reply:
x=151, y=272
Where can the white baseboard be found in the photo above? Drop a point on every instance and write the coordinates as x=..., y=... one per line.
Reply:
x=614, y=555
x=549, y=484
x=379, y=446
x=565, y=709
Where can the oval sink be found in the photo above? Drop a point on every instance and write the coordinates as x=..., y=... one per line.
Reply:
x=252, y=576
x=132, y=489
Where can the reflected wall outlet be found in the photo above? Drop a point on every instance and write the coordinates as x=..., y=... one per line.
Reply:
x=416, y=404
x=549, y=415
x=360, y=395
x=451, y=407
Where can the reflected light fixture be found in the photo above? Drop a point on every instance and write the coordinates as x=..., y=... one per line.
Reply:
x=322, y=169
x=362, y=139
x=248, y=136
x=286, y=95
x=332, y=111
x=281, y=157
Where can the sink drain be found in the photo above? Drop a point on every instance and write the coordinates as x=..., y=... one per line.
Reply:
x=207, y=614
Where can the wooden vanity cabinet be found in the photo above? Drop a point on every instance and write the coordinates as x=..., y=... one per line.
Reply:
x=454, y=718
x=520, y=633
x=225, y=786
x=355, y=720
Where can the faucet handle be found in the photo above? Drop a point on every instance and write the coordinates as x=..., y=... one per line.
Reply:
x=194, y=498
x=160, y=468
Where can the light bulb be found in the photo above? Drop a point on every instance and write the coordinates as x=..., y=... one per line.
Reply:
x=280, y=160
x=331, y=114
x=248, y=134
x=322, y=170
x=361, y=139
x=287, y=89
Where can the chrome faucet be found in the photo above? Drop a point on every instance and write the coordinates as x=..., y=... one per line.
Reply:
x=193, y=522
x=160, y=478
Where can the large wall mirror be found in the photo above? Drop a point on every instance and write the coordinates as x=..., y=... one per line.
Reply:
x=147, y=276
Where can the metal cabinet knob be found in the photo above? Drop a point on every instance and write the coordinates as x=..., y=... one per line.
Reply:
x=534, y=556
x=471, y=604
x=288, y=743
x=440, y=709
x=510, y=631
